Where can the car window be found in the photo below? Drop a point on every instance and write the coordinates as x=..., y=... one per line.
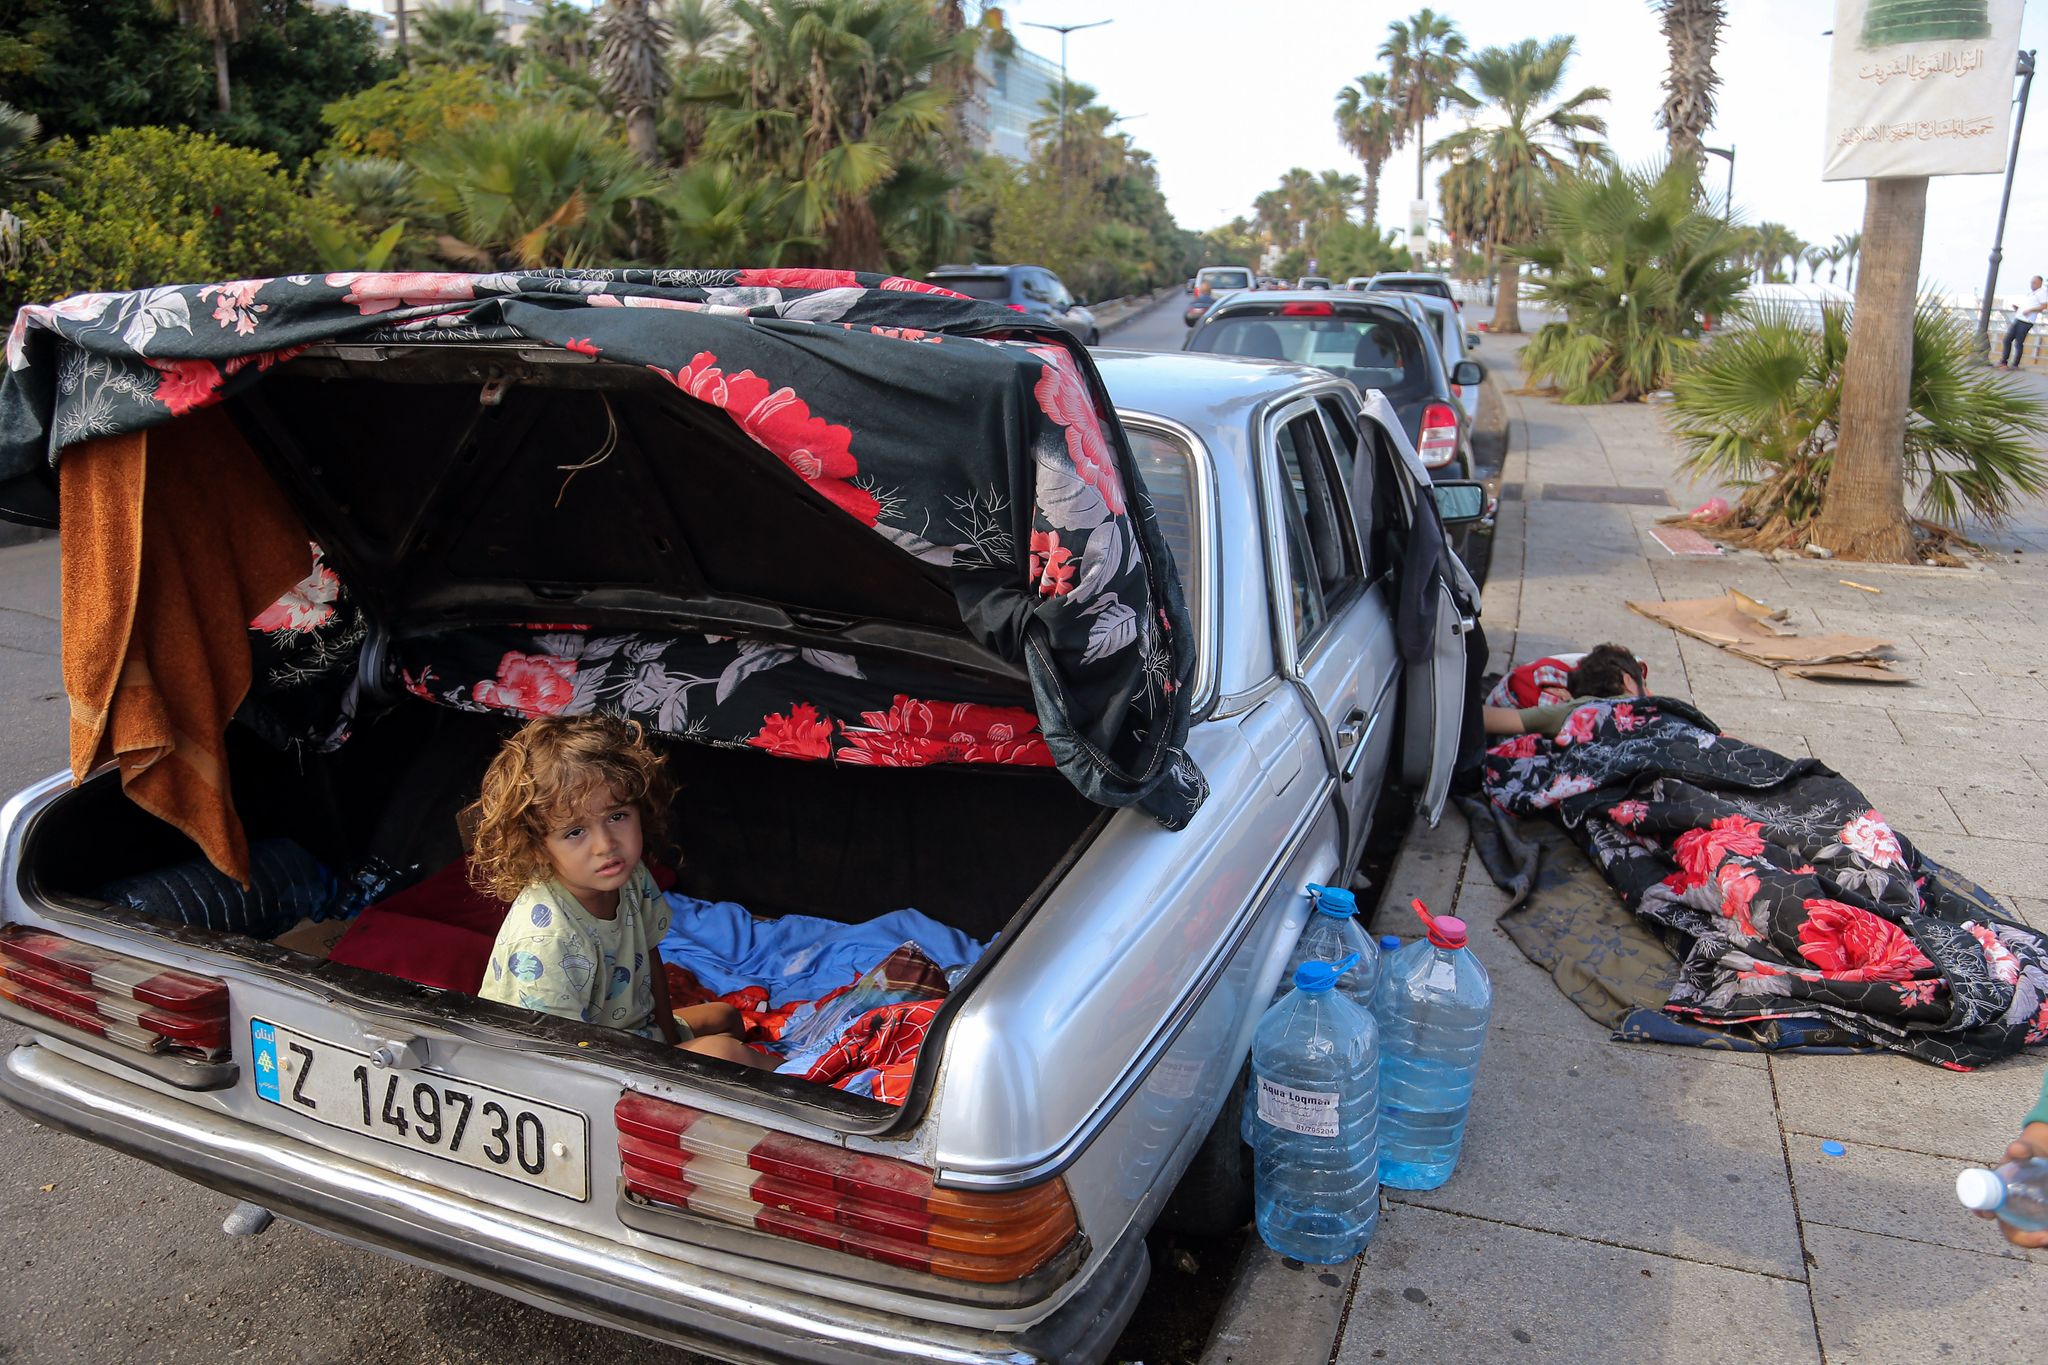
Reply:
x=1167, y=469
x=1322, y=562
x=1060, y=297
x=1372, y=350
x=1227, y=279
x=1036, y=285
x=1344, y=433
x=993, y=288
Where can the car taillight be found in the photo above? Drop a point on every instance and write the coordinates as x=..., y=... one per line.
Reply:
x=1016, y=307
x=813, y=1192
x=1439, y=444
x=121, y=999
x=1306, y=310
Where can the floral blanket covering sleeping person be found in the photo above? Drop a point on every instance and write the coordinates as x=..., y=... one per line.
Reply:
x=1783, y=890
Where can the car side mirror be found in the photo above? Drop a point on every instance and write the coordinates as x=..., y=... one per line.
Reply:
x=1471, y=341
x=1459, y=502
x=1469, y=373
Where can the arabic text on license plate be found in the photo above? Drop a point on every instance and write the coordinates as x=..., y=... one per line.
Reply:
x=473, y=1125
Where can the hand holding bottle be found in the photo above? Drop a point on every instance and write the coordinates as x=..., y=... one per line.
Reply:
x=2032, y=1142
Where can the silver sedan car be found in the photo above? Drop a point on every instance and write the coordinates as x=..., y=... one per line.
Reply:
x=1068, y=1087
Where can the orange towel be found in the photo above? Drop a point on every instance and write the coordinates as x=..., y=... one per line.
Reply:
x=172, y=539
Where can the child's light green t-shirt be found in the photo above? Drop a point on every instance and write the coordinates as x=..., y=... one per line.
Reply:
x=554, y=956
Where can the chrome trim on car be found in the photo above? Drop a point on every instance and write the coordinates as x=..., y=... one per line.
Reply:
x=683, y=1302
x=1238, y=703
x=1379, y=709
x=1050, y=1164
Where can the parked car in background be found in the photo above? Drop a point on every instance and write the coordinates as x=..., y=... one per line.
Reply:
x=1269, y=282
x=1455, y=344
x=1026, y=288
x=1312, y=282
x=998, y=1212
x=1382, y=345
x=1415, y=282
x=1213, y=282
x=1358, y=283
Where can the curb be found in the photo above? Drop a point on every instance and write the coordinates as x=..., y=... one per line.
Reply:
x=1280, y=1311
x=1132, y=306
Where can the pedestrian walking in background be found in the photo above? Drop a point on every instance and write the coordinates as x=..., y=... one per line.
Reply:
x=2022, y=323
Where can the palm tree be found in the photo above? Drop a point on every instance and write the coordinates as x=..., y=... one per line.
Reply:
x=22, y=167
x=1370, y=125
x=633, y=62
x=450, y=36
x=561, y=33
x=221, y=22
x=1525, y=146
x=1692, y=32
x=1850, y=245
x=701, y=29
x=1774, y=242
x=1329, y=206
x=1424, y=55
x=546, y=187
x=1298, y=193
x=833, y=97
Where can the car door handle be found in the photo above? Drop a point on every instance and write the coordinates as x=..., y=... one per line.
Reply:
x=1353, y=734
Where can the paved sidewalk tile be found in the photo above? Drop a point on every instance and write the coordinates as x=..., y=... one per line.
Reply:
x=1893, y=1194
x=1597, y=1139
x=1883, y=1301
x=1899, y=1102
x=1439, y=1288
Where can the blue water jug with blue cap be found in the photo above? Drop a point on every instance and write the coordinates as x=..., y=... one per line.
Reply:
x=1315, y=1089
x=1332, y=934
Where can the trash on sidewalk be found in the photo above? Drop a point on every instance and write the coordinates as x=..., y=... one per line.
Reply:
x=1677, y=540
x=1750, y=630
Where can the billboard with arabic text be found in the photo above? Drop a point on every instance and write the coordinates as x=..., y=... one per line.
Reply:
x=1921, y=87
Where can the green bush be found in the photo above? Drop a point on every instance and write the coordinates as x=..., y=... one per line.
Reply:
x=392, y=117
x=1634, y=263
x=1759, y=407
x=146, y=206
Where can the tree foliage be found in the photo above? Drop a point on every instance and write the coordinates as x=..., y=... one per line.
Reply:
x=393, y=117
x=146, y=206
x=1634, y=264
x=88, y=66
x=1761, y=408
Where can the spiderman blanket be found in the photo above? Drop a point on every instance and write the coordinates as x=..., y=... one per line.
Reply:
x=1783, y=891
x=862, y=1038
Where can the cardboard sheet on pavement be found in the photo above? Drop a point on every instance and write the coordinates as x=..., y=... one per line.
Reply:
x=1750, y=630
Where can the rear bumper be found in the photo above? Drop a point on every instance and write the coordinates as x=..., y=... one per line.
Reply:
x=559, y=1269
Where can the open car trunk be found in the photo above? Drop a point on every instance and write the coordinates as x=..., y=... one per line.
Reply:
x=973, y=848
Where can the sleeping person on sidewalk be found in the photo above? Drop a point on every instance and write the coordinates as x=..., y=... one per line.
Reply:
x=1606, y=671
x=563, y=816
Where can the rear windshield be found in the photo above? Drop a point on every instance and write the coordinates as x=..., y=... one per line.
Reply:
x=1372, y=352
x=1436, y=287
x=995, y=288
x=1227, y=279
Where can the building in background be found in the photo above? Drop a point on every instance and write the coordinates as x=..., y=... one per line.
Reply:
x=379, y=23
x=1012, y=91
x=515, y=15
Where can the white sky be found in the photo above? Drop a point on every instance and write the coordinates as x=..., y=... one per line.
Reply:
x=1231, y=95
x=1234, y=94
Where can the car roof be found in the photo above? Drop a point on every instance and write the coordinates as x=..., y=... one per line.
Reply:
x=1413, y=275
x=1266, y=298
x=957, y=271
x=1199, y=388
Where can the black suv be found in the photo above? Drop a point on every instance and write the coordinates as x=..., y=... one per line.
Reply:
x=1027, y=288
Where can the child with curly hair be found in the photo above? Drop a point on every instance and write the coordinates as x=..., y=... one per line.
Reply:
x=563, y=819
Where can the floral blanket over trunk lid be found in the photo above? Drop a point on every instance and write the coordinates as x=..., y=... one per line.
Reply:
x=1783, y=890
x=967, y=436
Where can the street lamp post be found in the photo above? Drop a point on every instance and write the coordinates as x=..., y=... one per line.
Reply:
x=2019, y=124
x=1728, y=152
x=1063, y=30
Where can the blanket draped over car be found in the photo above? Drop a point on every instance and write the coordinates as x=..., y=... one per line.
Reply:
x=1787, y=893
x=971, y=438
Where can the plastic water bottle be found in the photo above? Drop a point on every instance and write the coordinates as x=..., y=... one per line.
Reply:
x=1331, y=935
x=1315, y=1080
x=1432, y=1008
x=2017, y=1192
x=1389, y=945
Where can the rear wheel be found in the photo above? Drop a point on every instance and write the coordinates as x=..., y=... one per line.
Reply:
x=1214, y=1197
x=1094, y=337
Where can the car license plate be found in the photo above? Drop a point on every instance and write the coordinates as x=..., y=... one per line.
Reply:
x=472, y=1125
